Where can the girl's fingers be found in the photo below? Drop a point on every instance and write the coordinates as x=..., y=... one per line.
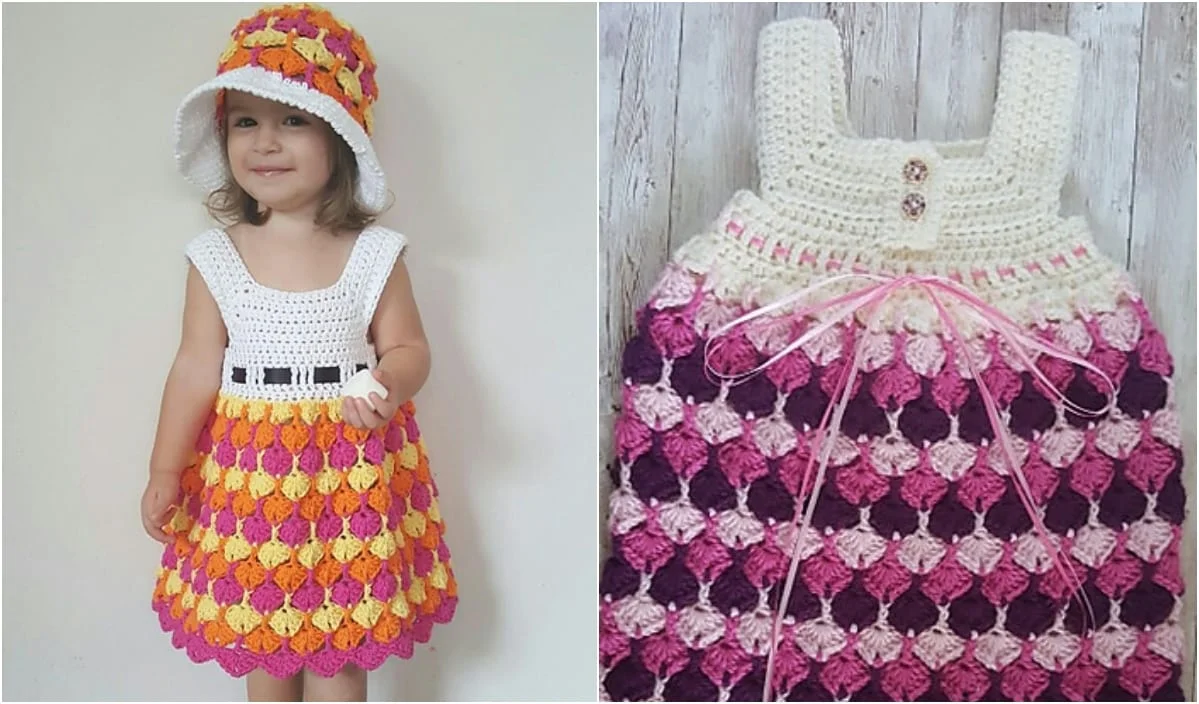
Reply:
x=364, y=417
x=358, y=413
x=376, y=418
x=155, y=531
x=350, y=412
x=381, y=406
x=161, y=516
x=365, y=413
x=162, y=504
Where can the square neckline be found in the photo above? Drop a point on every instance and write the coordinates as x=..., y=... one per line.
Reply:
x=973, y=152
x=846, y=133
x=822, y=185
x=244, y=270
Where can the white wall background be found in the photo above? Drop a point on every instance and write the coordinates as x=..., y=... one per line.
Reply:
x=486, y=126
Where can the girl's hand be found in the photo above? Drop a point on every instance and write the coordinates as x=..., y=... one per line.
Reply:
x=161, y=491
x=358, y=413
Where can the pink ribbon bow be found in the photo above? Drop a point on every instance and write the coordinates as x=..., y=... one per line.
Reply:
x=869, y=298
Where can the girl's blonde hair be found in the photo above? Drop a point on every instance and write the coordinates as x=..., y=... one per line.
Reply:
x=339, y=211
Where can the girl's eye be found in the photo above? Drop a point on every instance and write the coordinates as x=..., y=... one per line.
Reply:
x=294, y=121
x=244, y=122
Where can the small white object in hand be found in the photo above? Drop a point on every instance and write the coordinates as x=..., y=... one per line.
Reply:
x=362, y=384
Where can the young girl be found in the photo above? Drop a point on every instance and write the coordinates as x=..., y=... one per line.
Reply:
x=303, y=539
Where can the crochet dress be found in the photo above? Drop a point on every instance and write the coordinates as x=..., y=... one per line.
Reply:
x=300, y=541
x=945, y=465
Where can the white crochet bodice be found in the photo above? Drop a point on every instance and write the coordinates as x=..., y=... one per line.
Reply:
x=982, y=210
x=271, y=330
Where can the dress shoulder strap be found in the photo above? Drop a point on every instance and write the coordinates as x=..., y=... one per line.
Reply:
x=210, y=253
x=380, y=251
x=1037, y=106
x=799, y=109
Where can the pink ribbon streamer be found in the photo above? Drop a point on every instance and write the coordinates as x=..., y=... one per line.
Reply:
x=869, y=298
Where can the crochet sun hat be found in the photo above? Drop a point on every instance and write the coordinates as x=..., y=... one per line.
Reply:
x=299, y=55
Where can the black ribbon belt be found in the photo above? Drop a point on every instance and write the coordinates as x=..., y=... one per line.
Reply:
x=283, y=375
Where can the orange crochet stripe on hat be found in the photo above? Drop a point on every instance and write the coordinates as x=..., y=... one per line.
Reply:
x=307, y=44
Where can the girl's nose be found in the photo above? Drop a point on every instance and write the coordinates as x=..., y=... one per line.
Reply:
x=266, y=138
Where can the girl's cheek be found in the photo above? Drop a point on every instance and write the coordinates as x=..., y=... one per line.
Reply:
x=237, y=142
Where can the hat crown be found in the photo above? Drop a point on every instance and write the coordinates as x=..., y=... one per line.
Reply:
x=307, y=44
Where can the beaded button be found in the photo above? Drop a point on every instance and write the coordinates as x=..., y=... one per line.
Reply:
x=915, y=171
x=913, y=206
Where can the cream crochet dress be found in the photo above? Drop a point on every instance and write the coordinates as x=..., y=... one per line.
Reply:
x=946, y=465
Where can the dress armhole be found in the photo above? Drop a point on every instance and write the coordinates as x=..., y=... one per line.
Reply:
x=391, y=246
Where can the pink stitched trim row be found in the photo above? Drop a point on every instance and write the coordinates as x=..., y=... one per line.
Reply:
x=781, y=253
x=239, y=661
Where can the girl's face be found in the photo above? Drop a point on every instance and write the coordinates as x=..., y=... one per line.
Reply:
x=278, y=154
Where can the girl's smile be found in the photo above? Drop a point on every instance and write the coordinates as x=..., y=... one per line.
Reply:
x=270, y=172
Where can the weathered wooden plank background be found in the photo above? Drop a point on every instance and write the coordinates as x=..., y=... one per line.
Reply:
x=676, y=140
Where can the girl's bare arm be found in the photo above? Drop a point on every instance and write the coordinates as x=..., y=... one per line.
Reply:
x=400, y=340
x=194, y=379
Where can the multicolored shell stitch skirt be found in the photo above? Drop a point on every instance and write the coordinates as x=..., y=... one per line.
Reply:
x=920, y=575
x=304, y=543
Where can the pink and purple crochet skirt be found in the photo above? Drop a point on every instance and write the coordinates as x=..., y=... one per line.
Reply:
x=921, y=573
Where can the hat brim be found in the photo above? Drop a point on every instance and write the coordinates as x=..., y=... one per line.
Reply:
x=198, y=143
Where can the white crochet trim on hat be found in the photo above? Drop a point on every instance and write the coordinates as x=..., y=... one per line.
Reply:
x=198, y=144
